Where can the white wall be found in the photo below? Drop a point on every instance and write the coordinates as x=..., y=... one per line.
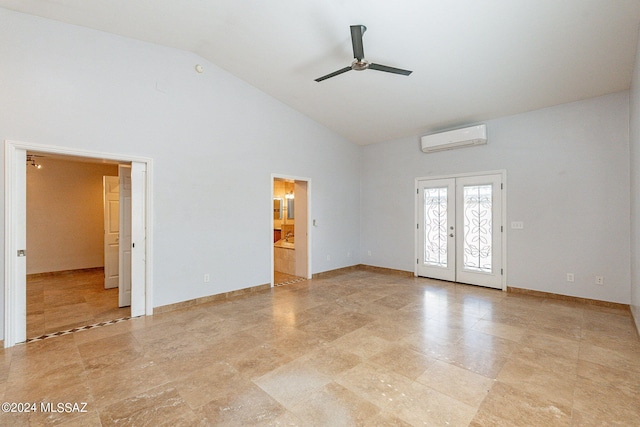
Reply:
x=567, y=180
x=65, y=215
x=634, y=137
x=214, y=139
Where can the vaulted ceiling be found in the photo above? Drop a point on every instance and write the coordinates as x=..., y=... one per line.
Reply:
x=472, y=60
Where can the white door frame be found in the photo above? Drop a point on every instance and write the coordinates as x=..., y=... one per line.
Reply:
x=14, y=291
x=503, y=193
x=275, y=176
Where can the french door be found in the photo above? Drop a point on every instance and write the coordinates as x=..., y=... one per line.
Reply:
x=460, y=229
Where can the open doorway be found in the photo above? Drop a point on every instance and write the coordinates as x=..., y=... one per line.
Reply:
x=290, y=219
x=71, y=205
x=15, y=304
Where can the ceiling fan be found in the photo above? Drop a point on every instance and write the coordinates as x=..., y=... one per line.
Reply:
x=359, y=63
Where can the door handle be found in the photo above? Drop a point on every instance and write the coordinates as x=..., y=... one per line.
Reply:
x=451, y=235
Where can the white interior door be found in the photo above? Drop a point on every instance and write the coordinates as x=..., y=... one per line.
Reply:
x=140, y=300
x=124, y=252
x=111, y=189
x=460, y=229
x=301, y=230
x=15, y=325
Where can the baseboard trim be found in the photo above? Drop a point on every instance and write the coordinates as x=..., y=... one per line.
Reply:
x=63, y=272
x=333, y=273
x=550, y=295
x=361, y=267
x=384, y=270
x=225, y=296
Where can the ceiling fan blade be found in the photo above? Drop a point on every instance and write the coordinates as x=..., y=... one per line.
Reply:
x=389, y=69
x=356, y=40
x=335, y=73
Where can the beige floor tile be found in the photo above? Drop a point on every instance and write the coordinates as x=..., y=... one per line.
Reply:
x=245, y=405
x=97, y=366
x=289, y=383
x=560, y=346
x=89, y=419
x=458, y=383
x=488, y=342
x=331, y=360
x=625, y=381
x=362, y=343
x=410, y=401
x=64, y=317
x=445, y=329
x=570, y=329
x=618, y=340
x=401, y=359
x=517, y=317
x=502, y=330
x=259, y=361
x=95, y=334
x=158, y=406
x=390, y=331
x=545, y=359
x=623, y=360
x=485, y=363
x=357, y=348
x=553, y=385
x=334, y=405
x=124, y=380
x=607, y=402
x=519, y=408
x=109, y=344
x=213, y=381
x=383, y=420
x=297, y=343
x=432, y=347
x=38, y=358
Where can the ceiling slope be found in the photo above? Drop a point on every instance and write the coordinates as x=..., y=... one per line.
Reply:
x=471, y=60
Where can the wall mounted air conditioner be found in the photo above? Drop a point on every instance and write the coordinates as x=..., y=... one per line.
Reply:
x=466, y=137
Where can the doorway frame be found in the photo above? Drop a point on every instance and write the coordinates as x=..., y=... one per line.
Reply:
x=503, y=200
x=12, y=295
x=275, y=176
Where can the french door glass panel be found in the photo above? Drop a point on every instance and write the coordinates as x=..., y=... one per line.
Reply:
x=436, y=210
x=477, y=227
x=435, y=226
x=459, y=234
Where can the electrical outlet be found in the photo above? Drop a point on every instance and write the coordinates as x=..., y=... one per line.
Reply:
x=369, y=253
x=207, y=278
x=517, y=225
x=348, y=254
x=328, y=257
x=599, y=280
x=570, y=277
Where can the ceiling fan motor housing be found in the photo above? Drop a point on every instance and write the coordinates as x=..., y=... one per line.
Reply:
x=359, y=65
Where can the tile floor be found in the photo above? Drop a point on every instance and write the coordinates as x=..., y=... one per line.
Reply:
x=357, y=349
x=280, y=279
x=65, y=300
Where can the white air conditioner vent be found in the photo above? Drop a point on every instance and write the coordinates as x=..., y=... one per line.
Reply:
x=458, y=138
